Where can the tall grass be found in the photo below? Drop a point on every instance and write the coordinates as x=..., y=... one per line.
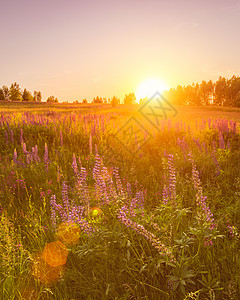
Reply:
x=160, y=224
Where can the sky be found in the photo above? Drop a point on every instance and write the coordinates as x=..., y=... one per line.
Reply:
x=75, y=49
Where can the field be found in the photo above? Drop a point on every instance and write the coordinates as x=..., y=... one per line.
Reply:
x=119, y=203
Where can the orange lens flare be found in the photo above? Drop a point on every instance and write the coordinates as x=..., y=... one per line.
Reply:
x=68, y=233
x=55, y=254
x=44, y=272
x=95, y=212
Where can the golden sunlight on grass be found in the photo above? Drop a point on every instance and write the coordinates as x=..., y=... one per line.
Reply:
x=28, y=293
x=149, y=87
x=68, y=233
x=46, y=274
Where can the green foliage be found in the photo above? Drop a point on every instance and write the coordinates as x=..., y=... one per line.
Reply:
x=118, y=261
x=15, y=92
x=2, y=96
x=222, y=92
x=52, y=99
x=27, y=96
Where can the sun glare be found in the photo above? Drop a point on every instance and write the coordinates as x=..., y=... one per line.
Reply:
x=149, y=87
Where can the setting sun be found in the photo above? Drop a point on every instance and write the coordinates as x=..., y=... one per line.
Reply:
x=149, y=87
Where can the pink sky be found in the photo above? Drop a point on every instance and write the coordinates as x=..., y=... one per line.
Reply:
x=76, y=49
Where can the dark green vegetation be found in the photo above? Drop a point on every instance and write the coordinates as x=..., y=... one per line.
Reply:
x=171, y=212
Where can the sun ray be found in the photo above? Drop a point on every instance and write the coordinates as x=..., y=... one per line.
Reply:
x=149, y=87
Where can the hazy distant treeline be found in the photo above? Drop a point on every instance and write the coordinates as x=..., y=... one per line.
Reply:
x=224, y=92
x=14, y=93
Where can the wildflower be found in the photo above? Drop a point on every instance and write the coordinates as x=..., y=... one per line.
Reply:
x=61, y=138
x=169, y=190
x=69, y=212
x=46, y=159
x=74, y=165
x=200, y=199
x=90, y=143
x=156, y=243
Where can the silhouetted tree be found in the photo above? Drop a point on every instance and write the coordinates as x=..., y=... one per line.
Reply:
x=220, y=91
x=15, y=92
x=52, y=99
x=206, y=90
x=180, y=95
x=37, y=96
x=27, y=96
x=143, y=100
x=233, y=91
x=2, y=97
x=84, y=101
x=115, y=101
x=97, y=100
x=129, y=99
x=5, y=92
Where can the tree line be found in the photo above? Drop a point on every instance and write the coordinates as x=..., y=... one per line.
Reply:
x=224, y=92
x=128, y=99
x=14, y=93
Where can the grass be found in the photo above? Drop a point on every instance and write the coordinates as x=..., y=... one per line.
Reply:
x=167, y=225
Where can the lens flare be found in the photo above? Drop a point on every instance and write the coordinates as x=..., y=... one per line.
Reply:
x=46, y=274
x=55, y=254
x=68, y=233
x=95, y=212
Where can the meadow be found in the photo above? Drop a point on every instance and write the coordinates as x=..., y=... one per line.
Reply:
x=97, y=203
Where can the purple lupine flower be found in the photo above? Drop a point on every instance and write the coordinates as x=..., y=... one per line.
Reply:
x=209, y=123
x=198, y=144
x=74, y=165
x=15, y=156
x=118, y=181
x=154, y=241
x=221, y=141
x=65, y=200
x=228, y=144
x=24, y=148
x=82, y=188
x=35, y=154
x=169, y=190
x=90, y=143
x=21, y=136
x=99, y=175
x=200, y=199
x=216, y=162
x=46, y=159
x=61, y=138
x=69, y=212
x=6, y=137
